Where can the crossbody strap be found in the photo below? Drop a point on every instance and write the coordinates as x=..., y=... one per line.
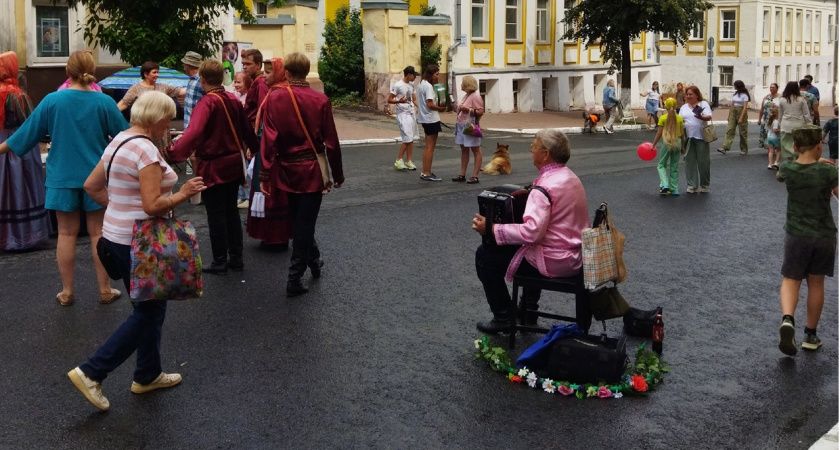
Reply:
x=230, y=122
x=111, y=162
x=300, y=119
x=541, y=189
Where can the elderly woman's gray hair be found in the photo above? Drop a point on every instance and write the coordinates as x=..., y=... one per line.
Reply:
x=557, y=145
x=152, y=107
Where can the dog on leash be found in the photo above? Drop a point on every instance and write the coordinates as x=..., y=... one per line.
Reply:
x=589, y=121
x=500, y=164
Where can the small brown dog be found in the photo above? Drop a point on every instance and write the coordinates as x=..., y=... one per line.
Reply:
x=500, y=164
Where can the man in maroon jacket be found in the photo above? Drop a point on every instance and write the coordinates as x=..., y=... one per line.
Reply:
x=218, y=130
x=252, y=60
x=290, y=164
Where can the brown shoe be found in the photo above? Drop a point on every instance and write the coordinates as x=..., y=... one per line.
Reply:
x=65, y=299
x=109, y=297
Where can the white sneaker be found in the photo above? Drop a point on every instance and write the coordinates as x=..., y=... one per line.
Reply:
x=400, y=165
x=608, y=130
x=91, y=389
x=164, y=380
x=410, y=165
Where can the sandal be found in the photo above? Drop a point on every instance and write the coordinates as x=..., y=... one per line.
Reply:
x=109, y=297
x=459, y=178
x=472, y=180
x=65, y=299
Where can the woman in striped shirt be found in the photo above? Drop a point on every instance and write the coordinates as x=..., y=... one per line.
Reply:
x=139, y=186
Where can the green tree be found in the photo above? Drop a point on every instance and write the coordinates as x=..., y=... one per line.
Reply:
x=157, y=30
x=342, y=65
x=601, y=23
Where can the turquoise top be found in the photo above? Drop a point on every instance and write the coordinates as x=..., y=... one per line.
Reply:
x=80, y=124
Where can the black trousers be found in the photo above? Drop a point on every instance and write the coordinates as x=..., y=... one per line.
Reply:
x=304, y=210
x=491, y=264
x=223, y=221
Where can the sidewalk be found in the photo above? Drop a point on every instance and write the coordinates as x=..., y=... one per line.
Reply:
x=361, y=125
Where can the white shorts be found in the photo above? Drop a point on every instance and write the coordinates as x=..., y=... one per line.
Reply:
x=408, y=127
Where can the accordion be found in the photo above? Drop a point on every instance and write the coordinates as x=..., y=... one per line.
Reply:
x=502, y=204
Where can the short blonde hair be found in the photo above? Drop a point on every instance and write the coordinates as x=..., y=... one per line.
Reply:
x=81, y=66
x=297, y=65
x=611, y=82
x=470, y=84
x=152, y=107
x=212, y=72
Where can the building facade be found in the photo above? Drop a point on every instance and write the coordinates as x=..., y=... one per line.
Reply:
x=759, y=42
x=511, y=47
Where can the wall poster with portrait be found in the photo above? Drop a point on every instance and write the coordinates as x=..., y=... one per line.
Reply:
x=52, y=33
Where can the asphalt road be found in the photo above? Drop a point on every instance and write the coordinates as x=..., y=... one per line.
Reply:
x=379, y=353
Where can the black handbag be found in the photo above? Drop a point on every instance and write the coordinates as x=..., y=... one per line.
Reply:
x=639, y=323
x=587, y=359
x=607, y=303
x=110, y=263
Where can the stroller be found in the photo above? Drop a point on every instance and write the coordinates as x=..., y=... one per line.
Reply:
x=591, y=116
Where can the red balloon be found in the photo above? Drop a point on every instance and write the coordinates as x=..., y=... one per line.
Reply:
x=646, y=151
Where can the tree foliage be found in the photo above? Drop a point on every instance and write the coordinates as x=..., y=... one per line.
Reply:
x=605, y=24
x=157, y=30
x=342, y=65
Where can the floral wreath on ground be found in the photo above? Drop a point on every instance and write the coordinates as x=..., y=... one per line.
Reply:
x=638, y=379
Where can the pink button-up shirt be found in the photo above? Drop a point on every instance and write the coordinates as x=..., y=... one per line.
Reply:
x=551, y=233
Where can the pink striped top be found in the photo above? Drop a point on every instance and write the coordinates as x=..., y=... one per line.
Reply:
x=124, y=202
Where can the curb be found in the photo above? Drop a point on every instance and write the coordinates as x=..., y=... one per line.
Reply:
x=524, y=131
x=828, y=441
x=577, y=130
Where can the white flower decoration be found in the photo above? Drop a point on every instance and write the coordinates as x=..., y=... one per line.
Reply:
x=477, y=343
x=532, y=379
x=523, y=372
x=548, y=386
x=618, y=395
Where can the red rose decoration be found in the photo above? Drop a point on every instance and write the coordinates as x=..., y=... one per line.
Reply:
x=639, y=383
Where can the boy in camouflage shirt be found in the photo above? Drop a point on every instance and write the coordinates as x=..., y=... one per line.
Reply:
x=811, y=235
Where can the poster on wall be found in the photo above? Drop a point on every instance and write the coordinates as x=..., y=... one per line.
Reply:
x=51, y=37
x=232, y=60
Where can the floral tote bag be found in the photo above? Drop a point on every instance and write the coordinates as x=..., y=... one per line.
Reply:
x=165, y=262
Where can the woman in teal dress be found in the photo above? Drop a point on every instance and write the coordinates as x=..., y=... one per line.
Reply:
x=24, y=223
x=80, y=122
x=766, y=104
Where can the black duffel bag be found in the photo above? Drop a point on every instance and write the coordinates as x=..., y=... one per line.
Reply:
x=587, y=358
x=639, y=323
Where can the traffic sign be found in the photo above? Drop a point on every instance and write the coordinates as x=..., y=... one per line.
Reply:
x=710, y=44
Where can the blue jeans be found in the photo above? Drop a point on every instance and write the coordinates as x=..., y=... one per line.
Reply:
x=141, y=332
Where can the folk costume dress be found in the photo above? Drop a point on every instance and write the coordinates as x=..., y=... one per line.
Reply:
x=275, y=225
x=24, y=223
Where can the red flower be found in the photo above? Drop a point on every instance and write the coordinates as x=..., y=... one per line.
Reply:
x=516, y=379
x=639, y=383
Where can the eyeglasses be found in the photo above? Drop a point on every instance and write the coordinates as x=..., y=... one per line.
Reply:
x=534, y=146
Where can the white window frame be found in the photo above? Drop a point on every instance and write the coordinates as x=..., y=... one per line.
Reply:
x=816, y=73
x=798, y=25
x=787, y=72
x=777, y=25
x=807, y=27
x=727, y=75
x=817, y=27
x=260, y=9
x=832, y=28
x=75, y=36
x=777, y=72
x=798, y=72
x=765, y=26
x=543, y=17
x=765, y=75
x=698, y=32
x=665, y=37
x=516, y=9
x=484, y=7
x=732, y=25
x=789, y=26
x=567, y=4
